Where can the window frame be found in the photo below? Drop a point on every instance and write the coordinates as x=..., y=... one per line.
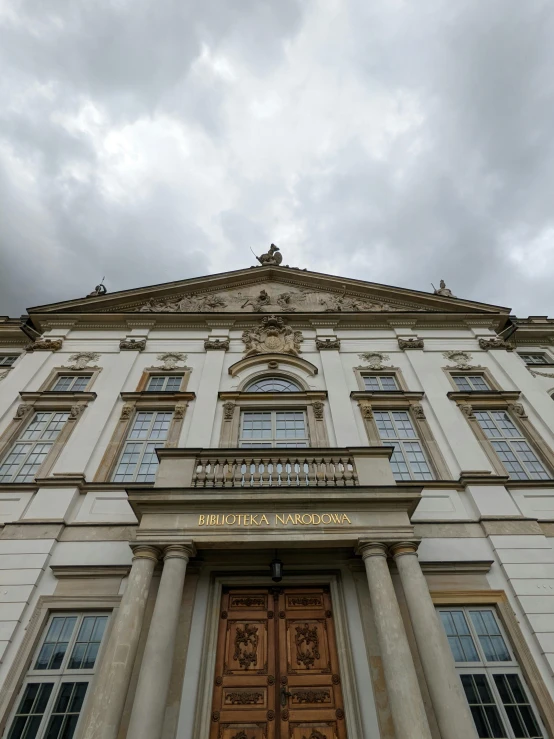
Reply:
x=411, y=402
x=400, y=441
x=166, y=376
x=468, y=404
x=4, y=355
x=379, y=376
x=541, y=353
x=145, y=442
x=48, y=385
x=243, y=442
x=270, y=378
x=75, y=376
x=363, y=370
x=489, y=668
x=58, y=677
x=497, y=600
x=311, y=402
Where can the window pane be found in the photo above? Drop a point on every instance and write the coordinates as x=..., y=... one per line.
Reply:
x=173, y=384
x=66, y=711
x=535, y=358
x=63, y=383
x=462, y=383
x=88, y=641
x=459, y=637
x=518, y=709
x=490, y=638
x=272, y=385
x=7, y=361
x=80, y=384
x=156, y=384
x=139, y=462
x=483, y=708
x=371, y=382
x=31, y=709
x=55, y=643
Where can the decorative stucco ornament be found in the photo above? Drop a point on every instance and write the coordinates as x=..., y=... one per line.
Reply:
x=82, y=359
x=410, y=343
x=333, y=343
x=170, y=360
x=496, y=343
x=272, y=336
x=374, y=360
x=45, y=345
x=185, y=304
x=216, y=344
x=132, y=345
x=462, y=360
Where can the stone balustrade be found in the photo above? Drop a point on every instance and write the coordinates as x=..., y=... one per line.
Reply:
x=274, y=467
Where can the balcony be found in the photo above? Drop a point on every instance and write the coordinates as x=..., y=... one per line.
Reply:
x=274, y=468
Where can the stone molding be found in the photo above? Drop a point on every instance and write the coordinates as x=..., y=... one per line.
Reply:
x=332, y=343
x=68, y=572
x=132, y=345
x=410, y=343
x=45, y=345
x=81, y=360
x=216, y=344
x=495, y=343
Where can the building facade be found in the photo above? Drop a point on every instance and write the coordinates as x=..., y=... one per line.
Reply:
x=273, y=504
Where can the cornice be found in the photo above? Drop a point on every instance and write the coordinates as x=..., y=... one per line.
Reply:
x=71, y=572
x=146, y=395
x=272, y=397
x=386, y=395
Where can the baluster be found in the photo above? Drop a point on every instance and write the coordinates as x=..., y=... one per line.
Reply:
x=265, y=472
x=347, y=468
x=238, y=477
x=339, y=473
x=320, y=471
x=200, y=473
x=311, y=469
x=210, y=472
x=354, y=472
x=285, y=474
x=229, y=473
x=219, y=468
x=256, y=474
x=295, y=471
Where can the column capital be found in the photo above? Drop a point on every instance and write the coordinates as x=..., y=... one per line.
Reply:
x=400, y=548
x=184, y=550
x=369, y=548
x=145, y=551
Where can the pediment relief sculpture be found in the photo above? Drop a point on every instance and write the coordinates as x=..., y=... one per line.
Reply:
x=272, y=336
x=269, y=298
x=374, y=360
x=170, y=360
x=83, y=359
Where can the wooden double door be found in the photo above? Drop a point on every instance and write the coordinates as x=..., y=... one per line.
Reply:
x=277, y=673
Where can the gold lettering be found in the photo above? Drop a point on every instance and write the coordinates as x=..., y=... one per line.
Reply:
x=279, y=518
x=289, y=519
x=345, y=518
x=254, y=519
x=297, y=519
x=309, y=517
x=201, y=520
x=264, y=519
x=247, y=519
x=314, y=522
x=325, y=516
x=336, y=518
x=229, y=516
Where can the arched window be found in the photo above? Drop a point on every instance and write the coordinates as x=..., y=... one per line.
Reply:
x=272, y=385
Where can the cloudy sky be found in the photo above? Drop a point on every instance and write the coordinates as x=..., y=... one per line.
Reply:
x=393, y=141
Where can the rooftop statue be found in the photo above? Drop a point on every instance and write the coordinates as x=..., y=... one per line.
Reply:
x=273, y=257
x=443, y=290
x=98, y=290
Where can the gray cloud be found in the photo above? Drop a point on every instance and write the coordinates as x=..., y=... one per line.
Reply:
x=391, y=141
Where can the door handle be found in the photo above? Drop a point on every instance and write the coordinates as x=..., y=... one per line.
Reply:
x=284, y=695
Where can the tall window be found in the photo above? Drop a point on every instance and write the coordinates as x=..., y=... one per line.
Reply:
x=490, y=675
x=164, y=384
x=535, y=358
x=56, y=684
x=408, y=461
x=380, y=383
x=511, y=446
x=72, y=383
x=273, y=429
x=138, y=462
x=32, y=447
x=6, y=360
x=470, y=383
x=272, y=385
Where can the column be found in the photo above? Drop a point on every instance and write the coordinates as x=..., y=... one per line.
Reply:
x=445, y=687
x=406, y=703
x=148, y=712
x=103, y=714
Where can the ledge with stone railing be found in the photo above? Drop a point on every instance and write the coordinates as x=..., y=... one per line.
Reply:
x=275, y=467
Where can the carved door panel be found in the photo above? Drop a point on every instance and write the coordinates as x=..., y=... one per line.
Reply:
x=244, y=693
x=310, y=697
x=277, y=671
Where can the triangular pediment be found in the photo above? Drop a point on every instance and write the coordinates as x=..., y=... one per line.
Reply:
x=268, y=290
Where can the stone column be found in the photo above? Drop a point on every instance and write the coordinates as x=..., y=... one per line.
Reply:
x=445, y=687
x=148, y=712
x=103, y=714
x=406, y=703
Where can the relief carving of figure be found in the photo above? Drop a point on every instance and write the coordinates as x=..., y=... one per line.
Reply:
x=272, y=336
x=188, y=303
x=259, y=302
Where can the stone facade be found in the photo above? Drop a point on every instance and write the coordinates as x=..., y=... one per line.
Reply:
x=153, y=547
